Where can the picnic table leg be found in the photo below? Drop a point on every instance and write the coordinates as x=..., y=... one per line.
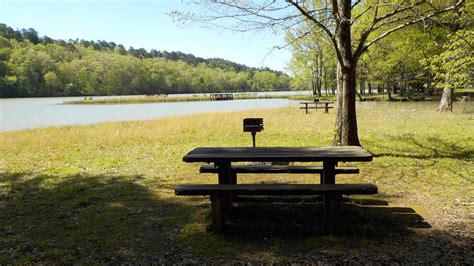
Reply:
x=334, y=214
x=328, y=177
x=332, y=203
x=218, y=219
x=233, y=178
x=326, y=108
x=329, y=173
x=306, y=108
x=225, y=177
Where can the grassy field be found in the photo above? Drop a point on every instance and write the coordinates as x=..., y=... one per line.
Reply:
x=165, y=98
x=104, y=193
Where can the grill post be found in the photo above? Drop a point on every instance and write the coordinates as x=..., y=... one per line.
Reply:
x=253, y=125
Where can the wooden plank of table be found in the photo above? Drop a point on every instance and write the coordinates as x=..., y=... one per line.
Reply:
x=275, y=189
x=278, y=169
x=286, y=154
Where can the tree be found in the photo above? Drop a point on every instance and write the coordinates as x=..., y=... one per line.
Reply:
x=453, y=68
x=52, y=82
x=312, y=64
x=394, y=62
x=31, y=35
x=264, y=81
x=351, y=27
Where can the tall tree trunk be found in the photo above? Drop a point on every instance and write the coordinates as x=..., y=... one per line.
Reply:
x=337, y=137
x=313, y=86
x=446, y=103
x=370, y=88
x=346, y=118
x=362, y=86
x=320, y=72
x=389, y=91
x=326, y=89
x=359, y=96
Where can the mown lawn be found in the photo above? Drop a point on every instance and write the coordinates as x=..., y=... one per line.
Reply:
x=104, y=193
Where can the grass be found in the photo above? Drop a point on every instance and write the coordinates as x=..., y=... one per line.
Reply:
x=104, y=193
x=164, y=98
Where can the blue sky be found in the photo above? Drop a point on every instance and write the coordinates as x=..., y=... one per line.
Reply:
x=142, y=24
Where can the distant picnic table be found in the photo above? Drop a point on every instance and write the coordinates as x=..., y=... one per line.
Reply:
x=228, y=187
x=326, y=105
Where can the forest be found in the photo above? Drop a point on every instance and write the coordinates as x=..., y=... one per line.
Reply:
x=32, y=66
x=418, y=60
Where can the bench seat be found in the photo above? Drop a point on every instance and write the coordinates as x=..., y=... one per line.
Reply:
x=276, y=189
x=278, y=169
x=220, y=196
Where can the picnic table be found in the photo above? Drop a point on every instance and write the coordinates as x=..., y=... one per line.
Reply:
x=223, y=157
x=326, y=105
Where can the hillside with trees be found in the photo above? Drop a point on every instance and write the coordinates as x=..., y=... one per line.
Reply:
x=31, y=65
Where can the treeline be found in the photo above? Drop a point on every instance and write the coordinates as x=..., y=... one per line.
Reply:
x=40, y=66
x=417, y=60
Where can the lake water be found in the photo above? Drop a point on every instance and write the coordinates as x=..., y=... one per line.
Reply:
x=26, y=113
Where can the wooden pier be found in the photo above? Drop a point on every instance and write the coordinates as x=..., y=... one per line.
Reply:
x=222, y=96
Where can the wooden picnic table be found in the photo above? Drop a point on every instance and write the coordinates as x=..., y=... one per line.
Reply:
x=223, y=157
x=326, y=105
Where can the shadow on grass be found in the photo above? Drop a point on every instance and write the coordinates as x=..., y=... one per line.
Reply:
x=104, y=219
x=430, y=148
x=292, y=231
x=295, y=218
x=45, y=218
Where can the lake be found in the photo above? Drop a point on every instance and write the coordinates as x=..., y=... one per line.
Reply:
x=27, y=113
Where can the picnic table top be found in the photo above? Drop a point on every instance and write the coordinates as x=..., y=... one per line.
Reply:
x=271, y=154
x=306, y=102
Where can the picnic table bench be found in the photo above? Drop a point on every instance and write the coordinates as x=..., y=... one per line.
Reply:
x=227, y=187
x=326, y=105
x=332, y=192
x=276, y=169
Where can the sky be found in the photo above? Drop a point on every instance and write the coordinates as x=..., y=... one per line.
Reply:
x=144, y=24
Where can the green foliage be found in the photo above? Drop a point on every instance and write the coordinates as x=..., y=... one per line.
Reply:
x=454, y=66
x=313, y=63
x=52, y=81
x=44, y=67
x=395, y=60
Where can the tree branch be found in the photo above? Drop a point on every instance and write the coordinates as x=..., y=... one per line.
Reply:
x=308, y=16
x=355, y=4
x=362, y=47
x=319, y=24
x=408, y=23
